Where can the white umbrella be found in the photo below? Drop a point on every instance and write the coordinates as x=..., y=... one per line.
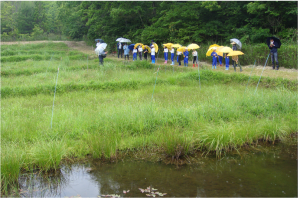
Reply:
x=100, y=48
x=237, y=42
x=125, y=40
x=118, y=40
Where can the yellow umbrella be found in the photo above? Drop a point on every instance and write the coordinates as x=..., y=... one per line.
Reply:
x=235, y=53
x=176, y=45
x=181, y=49
x=193, y=46
x=213, y=45
x=210, y=50
x=146, y=47
x=155, y=47
x=168, y=45
x=137, y=44
x=226, y=50
x=218, y=51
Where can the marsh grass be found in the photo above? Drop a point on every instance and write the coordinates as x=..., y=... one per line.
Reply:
x=107, y=109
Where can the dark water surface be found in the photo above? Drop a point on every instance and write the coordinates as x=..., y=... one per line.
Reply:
x=272, y=172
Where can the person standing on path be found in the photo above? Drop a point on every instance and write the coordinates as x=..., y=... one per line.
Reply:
x=98, y=43
x=179, y=58
x=235, y=59
x=119, y=45
x=145, y=53
x=140, y=49
x=234, y=48
x=226, y=61
x=126, y=51
x=172, y=55
x=220, y=60
x=186, y=57
x=166, y=54
x=153, y=54
x=274, y=55
x=101, y=55
x=134, y=56
x=195, y=53
x=214, y=56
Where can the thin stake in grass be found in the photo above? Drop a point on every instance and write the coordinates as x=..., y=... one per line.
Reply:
x=49, y=63
x=250, y=76
x=54, y=96
x=261, y=73
x=155, y=81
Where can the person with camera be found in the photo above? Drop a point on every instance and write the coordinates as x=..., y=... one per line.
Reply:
x=273, y=51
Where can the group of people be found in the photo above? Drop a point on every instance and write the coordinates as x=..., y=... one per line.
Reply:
x=139, y=50
x=215, y=57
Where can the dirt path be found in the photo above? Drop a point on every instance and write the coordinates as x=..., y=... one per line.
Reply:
x=268, y=71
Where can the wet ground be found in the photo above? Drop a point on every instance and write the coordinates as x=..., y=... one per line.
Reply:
x=265, y=172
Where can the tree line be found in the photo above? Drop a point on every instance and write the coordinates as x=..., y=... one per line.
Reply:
x=163, y=21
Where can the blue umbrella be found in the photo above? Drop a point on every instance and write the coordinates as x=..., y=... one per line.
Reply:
x=131, y=47
x=101, y=41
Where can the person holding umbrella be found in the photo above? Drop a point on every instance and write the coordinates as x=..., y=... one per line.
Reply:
x=195, y=53
x=234, y=48
x=166, y=54
x=227, y=61
x=172, y=55
x=273, y=45
x=119, y=46
x=214, y=56
x=145, y=53
x=98, y=43
x=186, y=57
x=101, y=52
x=134, y=56
x=235, y=59
x=220, y=60
x=126, y=51
x=179, y=58
x=140, y=49
x=153, y=54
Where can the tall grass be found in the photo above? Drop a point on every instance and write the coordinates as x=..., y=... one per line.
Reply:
x=107, y=109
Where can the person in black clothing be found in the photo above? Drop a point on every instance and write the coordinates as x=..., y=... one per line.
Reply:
x=274, y=56
x=234, y=48
x=145, y=53
x=120, y=49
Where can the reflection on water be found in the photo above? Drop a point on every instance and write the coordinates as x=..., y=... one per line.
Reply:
x=256, y=174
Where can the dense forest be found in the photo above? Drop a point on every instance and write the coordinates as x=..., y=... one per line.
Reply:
x=163, y=21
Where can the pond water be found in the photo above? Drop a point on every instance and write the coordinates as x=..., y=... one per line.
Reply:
x=269, y=172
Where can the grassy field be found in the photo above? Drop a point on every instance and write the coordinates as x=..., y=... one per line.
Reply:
x=102, y=110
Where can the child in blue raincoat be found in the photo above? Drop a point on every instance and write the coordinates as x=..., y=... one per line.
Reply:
x=172, y=55
x=220, y=60
x=126, y=51
x=214, y=56
x=226, y=61
x=186, y=57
